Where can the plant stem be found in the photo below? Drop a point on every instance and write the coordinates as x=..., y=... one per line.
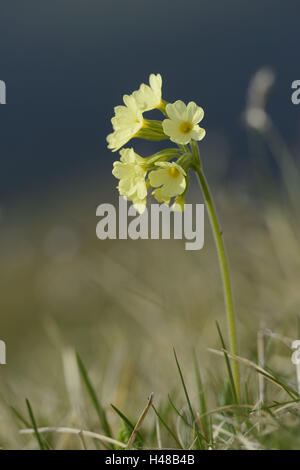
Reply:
x=224, y=273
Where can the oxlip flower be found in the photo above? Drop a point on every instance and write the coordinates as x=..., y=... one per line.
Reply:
x=182, y=125
x=160, y=197
x=178, y=205
x=131, y=172
x=149, y=96
x=127, y=121
x=170, y=178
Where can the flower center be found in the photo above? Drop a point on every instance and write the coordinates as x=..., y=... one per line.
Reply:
x=173, y=172
x=185, y=127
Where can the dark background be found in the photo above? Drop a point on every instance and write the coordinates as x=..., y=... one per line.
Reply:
x=67, y=63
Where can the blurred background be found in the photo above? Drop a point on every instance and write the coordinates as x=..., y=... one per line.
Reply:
x=123, y=305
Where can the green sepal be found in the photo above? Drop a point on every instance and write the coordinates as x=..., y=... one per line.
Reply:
x=151, y=130
x=162, y=156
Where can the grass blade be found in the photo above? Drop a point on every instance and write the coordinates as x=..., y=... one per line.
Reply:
x=35, y=428
x=129, y=426
x=188, y=401
x=167, y=427
x=202, y=399
x=140, y=422
x=233, y=390
x=63, y=430
x=178, y=412
x=93, y=396
x=123, y=417
x=20, y=417
x=292, y=393
x=184, y=387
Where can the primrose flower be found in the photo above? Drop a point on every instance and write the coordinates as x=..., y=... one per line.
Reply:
x=149, y=96
x=160, y=197
x=169, y=179
x=131, y=173
x=182, y=125
x=178, y=205
x=128, y=120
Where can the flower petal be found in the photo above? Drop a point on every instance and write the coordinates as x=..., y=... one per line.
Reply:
x=194, y=113
x=176, y=111
x=157, y=177
x=198, y=133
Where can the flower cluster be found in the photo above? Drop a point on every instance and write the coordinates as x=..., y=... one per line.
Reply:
x=165, y=173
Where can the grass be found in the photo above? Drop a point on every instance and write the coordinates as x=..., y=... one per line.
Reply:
x=94, y=399
x=186, y=425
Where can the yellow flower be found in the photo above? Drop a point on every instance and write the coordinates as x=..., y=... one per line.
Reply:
x=169, y=178
x=183, y=123
x=149, y=97
x=128, y=120
x=178, y=205
x=131, y=173
x=159, y=196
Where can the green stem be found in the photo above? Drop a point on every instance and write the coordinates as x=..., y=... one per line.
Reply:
x=224, y=273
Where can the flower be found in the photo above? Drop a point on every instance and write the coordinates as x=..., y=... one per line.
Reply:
x=128, y=120
x=169, y=179
x=159, y=196
x=149, y=97
x=183, y=123
x=131, y=173
x=178, y=205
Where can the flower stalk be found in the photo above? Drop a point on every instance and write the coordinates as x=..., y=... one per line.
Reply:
x=223, y=262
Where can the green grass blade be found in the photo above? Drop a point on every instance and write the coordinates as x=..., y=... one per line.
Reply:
x=233, y=390
x=292, y=393
x=167, y=427
x=93, y=396
x=129, y=425
x=178, y=412
x=20, y=417
x=277, y=404
x=184, y=387
x=199, y=436
x=201, y=394
x=34, y=426
x=247, y=396
x=122, y=416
